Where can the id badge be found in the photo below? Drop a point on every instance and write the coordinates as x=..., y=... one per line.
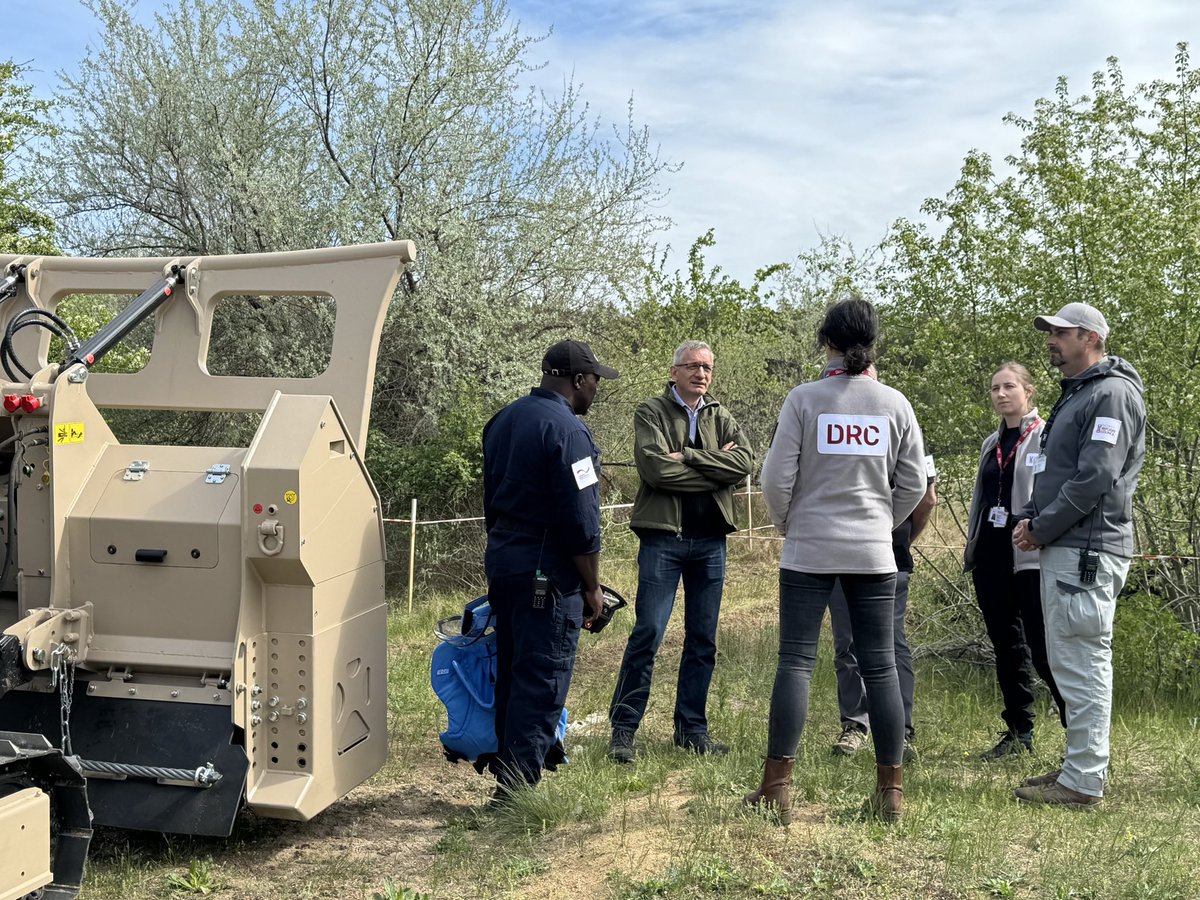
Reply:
x=998, y=516
x=1037, y=462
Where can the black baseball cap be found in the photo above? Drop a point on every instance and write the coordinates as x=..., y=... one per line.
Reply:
x=567, y=358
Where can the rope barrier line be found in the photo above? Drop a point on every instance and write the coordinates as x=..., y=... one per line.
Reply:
x=747, y=533
x=750, y=533
x=431, y=521
x=479, y=518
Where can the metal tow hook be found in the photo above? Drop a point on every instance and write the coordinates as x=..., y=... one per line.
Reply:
x=270, y=537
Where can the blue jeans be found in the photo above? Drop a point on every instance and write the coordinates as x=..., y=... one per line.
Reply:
x=852, y=693
x=870, y=600
x=663, y=559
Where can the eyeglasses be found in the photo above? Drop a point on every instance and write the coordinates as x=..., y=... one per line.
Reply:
x=696, y=367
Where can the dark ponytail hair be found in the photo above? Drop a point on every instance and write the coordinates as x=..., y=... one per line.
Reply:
x=851, y=327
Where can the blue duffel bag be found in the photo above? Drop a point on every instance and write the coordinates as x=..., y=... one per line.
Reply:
x=463, y=675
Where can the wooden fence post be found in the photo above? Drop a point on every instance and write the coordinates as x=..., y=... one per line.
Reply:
x=412, y=552
x=749, y=513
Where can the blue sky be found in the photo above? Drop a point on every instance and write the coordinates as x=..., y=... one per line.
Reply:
x=791, y=119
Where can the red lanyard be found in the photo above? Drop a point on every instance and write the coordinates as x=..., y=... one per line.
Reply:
x=1002, y=462
x=832, y=372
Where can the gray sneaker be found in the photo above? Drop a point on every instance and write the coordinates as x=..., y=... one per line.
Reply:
x=851, y=741
x=910, y=752
x=620, y=748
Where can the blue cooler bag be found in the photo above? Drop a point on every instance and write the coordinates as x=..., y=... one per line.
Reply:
x=463, y=675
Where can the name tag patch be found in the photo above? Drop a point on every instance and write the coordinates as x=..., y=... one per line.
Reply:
x=1106, y=430
x=840, y=435
x=585, y=473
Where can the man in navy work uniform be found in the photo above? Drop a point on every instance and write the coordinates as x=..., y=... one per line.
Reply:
x=541, y=505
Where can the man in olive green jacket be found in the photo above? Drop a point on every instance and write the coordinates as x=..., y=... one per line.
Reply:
x=690, y=455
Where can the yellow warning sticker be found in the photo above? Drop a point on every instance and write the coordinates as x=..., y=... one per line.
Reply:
x=290, y=497
x=68, y=433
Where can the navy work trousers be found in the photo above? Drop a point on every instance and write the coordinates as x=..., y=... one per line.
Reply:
x=535, y=655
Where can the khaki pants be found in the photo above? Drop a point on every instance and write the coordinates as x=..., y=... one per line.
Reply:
x=1079, y=623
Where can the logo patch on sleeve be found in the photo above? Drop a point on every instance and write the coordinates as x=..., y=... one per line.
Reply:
x=839, y=435
x=585, y=473
x=1106, y=430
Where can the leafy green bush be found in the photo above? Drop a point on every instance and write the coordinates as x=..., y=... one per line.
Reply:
x=1153, y=654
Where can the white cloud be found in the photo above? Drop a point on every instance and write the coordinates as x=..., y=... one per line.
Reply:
x=795, y=118
x=792, y=119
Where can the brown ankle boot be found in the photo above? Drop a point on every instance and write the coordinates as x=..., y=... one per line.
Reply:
x=775, y=790
x=888, y=800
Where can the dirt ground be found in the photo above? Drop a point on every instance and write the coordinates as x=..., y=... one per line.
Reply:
x=388, y=828
x=378, y=831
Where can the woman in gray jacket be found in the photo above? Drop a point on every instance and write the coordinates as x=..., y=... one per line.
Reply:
x=846, y=466
x=1007, y=581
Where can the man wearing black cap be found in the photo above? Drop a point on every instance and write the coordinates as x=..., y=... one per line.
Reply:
x=690, y=454
x=1081, y=519
x=541, y=505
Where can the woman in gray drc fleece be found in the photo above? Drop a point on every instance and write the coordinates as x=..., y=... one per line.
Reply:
x=846, y=466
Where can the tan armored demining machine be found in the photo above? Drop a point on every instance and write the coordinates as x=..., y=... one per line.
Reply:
x=186, y=630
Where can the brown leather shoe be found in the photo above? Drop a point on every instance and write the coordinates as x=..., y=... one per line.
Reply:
x=1056, y=795
x=775, y=791
x=1042, y=780
x=888, y=800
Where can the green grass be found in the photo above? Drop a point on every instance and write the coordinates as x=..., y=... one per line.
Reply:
x=198, y=879
x=672, y=825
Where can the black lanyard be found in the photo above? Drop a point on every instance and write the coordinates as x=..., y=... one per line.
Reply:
x=1062, y=401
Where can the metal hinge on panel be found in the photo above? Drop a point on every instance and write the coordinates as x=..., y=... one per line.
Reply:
x=136, y=470
x=216, y=474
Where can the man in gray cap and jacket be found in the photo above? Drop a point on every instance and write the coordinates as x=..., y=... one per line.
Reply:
x=1081, y=518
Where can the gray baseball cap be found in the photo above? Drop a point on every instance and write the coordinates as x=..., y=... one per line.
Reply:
x=1075, y=315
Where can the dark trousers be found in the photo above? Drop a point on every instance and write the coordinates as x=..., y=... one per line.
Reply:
x=663, y=560
x=1011, y=604
x=870, y=600
x=535, y=654
x=852, y=693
